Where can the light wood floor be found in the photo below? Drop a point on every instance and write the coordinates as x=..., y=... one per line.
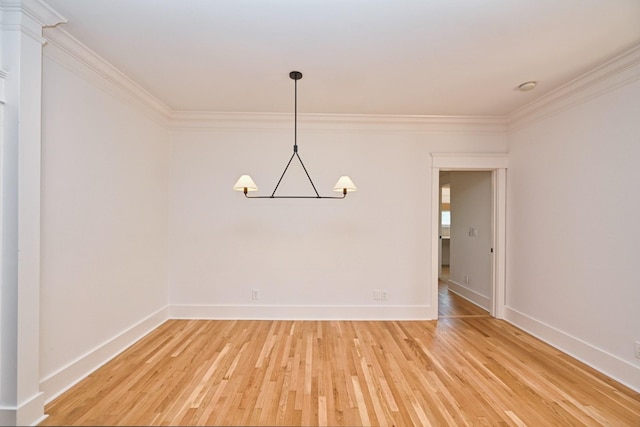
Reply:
x=464, y=369
x=452, y=305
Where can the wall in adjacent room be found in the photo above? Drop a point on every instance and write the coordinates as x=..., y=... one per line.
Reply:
x=471, y=236
x=320, y=259
x=573, y=203
x=104, y=219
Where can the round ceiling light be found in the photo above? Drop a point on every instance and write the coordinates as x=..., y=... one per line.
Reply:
x=526, y=86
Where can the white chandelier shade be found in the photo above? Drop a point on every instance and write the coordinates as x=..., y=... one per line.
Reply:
x=344, y=185
x=245, y=183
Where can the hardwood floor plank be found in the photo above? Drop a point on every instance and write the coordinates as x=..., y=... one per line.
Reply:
x=360, y=404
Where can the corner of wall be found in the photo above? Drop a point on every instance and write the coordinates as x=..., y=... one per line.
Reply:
x=62, y=380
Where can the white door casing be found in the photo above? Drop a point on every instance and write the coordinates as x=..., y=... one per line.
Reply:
x=497, y=164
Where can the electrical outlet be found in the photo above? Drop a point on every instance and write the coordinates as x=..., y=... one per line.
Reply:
x=255, y=294
x=377, y=294
x=466, y=279
x=384, y=295
x=637, y=351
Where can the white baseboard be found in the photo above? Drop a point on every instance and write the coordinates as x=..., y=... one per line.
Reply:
x=470, y=295
x=301, y=312
x=610, y=365
x=60, y=381
x=8, y=416
x=28, y=413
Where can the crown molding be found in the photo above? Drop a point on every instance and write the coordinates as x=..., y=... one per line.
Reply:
x=35, y=9
x=343, y=122
x=63, y=47
x=619, y=71
x=28, y=17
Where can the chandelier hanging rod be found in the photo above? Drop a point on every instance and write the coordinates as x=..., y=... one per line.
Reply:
x=246, y=184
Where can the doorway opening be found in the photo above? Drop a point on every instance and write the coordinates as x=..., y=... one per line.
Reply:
x=466, y=241
x=491, y=281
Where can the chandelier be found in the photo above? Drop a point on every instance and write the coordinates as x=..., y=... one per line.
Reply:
x=246, y=184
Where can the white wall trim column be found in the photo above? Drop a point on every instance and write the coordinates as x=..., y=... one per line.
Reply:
x=21, y=401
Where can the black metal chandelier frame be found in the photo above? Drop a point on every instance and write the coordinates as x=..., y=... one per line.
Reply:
x=295, y=76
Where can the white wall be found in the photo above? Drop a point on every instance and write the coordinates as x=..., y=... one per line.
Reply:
x=573, y=208
x=104, y=221
x=308, y=258
x=470, y=255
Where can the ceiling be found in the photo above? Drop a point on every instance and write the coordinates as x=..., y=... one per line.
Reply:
x=392, y=57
